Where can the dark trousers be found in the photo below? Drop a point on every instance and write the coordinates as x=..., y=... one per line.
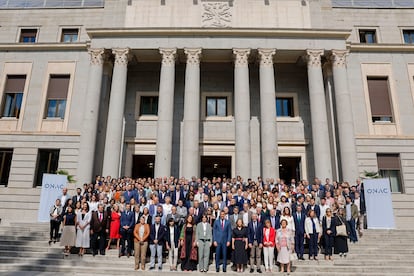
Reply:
x=98, y=241
x=313, y=245
x=54, y=229
x=221, y=252
x=126, y=235
x=352, y=231
x=329, y=243
x=300, y=244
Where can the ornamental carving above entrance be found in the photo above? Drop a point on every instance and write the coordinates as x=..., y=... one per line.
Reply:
x=216, y=15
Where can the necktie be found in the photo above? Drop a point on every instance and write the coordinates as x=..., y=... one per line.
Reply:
x=254, y=229
x=313, y=226
x=299, y=217
x=222, y=224
x=100, y=216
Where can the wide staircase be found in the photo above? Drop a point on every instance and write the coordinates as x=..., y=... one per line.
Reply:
x=24, y=250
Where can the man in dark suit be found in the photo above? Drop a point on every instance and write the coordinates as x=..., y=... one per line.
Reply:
x=255, y=237
x=198, y=212
x=157, y=240
x=78, y=197
x=221, y=239
x=274, y=218
x=313, y=206
x=176, y=194
x=127, y=227
x=299, y=220
x=99, y=229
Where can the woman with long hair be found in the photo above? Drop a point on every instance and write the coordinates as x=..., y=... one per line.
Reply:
x=68, y=239
x=329, y=231
x=114, y=226
x=188, y=245
x=83, y=219
x=286, y=215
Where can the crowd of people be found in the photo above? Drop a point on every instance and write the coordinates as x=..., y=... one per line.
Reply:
x=232, y=220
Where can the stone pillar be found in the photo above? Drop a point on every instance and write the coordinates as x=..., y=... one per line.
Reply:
x=319, y=119
x=165, y=114
x=191, y=122
x=242, y=112
x=113, y=141
x=344, y=116
x=268, y=127
x=90, y=117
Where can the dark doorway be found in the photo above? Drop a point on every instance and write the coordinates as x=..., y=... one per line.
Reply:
x=143, y=166
x=289, y=167
x=215, y=166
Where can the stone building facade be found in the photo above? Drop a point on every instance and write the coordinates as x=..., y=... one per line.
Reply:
x=272, y=88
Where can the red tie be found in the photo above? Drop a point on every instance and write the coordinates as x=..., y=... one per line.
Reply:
x=222, y=224
x=100, y=216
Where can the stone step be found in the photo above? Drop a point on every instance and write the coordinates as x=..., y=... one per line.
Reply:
x=30, y=248
x=11, y=191
x=30, y=254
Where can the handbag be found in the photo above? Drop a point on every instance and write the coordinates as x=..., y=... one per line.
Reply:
x=341, y=229
x=293, y=257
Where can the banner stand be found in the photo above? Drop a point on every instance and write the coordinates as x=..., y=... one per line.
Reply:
x=52, y=185
x=378, y=200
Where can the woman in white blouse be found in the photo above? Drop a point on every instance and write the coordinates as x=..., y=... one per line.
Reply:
x=286, y=215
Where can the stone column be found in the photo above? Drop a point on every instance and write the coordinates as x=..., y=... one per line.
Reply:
x=90, y=117
x=242, y=112
x=165, y=114
x=113, y=141
x=268, y=127
x=191, y=123
x=319, y=119
x=344, y=116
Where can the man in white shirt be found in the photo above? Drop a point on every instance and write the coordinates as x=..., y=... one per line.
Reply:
x=64, y=196
x=322, y=207
x=166, y=207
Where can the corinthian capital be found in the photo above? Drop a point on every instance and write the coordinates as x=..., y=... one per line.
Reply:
x=193, y=55
x=121, y=56
x=241, y=57
x=313, y=57
x=338, y=58
x=266, y=56
x=97, y=56
x=168, y=56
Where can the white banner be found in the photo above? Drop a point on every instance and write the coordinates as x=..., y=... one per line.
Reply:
x=52, y=185
x=378, y=200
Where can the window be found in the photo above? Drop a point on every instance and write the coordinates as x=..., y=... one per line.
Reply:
x=389, y=167
x=69, y=35
x=28, y=35
x=216, y=106
x=149, y=105
x=13, y=96
x=47, y=162
x=408, y=36
x=379, y=98
x=367, y=36
x=57, y=93
x=284, y=107
x=5, y=165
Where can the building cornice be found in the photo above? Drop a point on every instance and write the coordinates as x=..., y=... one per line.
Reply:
x=225, y=32
x=380, y=47
x=44, y=46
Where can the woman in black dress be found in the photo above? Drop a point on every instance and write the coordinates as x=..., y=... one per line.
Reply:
x=239, y=245
x=188, y=246
x=341, y=242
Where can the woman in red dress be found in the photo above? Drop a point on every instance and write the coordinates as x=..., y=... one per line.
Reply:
x=114, y=227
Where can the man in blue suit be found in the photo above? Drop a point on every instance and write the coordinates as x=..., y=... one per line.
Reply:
x=130, y=193
x=127, y=227
x=299, y=220
x=255, y=237
x=313, y=206
x=221, y=238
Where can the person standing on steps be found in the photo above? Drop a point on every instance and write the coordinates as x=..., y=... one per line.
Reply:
x=222, y=239
x=55, y=214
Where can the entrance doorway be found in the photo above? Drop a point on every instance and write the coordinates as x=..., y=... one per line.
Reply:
x=143, y=166
x=215, y=166
x=289, y=167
